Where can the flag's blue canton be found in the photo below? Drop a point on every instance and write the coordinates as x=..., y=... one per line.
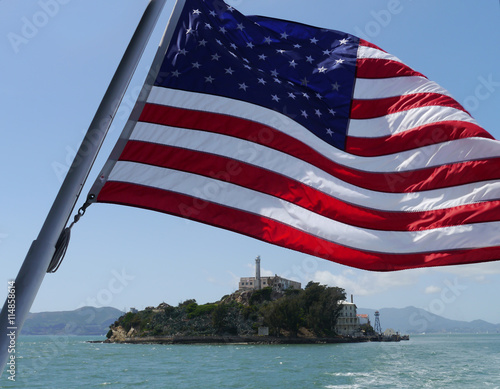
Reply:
x=301, y=71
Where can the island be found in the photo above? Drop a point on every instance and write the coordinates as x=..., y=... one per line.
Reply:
x=259, y=315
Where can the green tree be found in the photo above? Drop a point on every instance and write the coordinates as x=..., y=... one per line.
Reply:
x=367, y=329
x=284, y=314
x=321, y=307
x=218, y=317
x=261, y=295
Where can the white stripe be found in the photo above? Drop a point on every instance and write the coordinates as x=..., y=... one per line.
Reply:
x=402, y=121
x=373, y=53
x=367, y=88
x=457, y=237
x=295, y=169
x=404, y=161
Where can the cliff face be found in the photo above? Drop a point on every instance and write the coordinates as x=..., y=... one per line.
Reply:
x=297, y=313
x=231, y=316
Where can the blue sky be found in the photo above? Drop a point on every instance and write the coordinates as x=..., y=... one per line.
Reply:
x=58, y=57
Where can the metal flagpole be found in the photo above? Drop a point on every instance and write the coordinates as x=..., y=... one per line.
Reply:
x=23, y=290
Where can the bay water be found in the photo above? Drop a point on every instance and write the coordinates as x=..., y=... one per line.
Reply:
x=425, y=361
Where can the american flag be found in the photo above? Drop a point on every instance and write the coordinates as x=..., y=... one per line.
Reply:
x=311, y=139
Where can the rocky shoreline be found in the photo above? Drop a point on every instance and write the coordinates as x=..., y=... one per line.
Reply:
x=247, y=340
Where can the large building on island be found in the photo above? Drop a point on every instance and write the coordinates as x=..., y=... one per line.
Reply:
x=348, y=320
x=276, y=282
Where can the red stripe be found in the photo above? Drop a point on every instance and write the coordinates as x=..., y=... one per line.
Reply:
x=277, y=233
x=424, y=179
x=425, y=135
x=362, y=42
x=368, y=109
x=383, y=68
x=277, y=185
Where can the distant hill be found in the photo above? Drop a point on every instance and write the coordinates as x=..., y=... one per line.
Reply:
x=82, y=321
x=411, y=320
x=96, y=321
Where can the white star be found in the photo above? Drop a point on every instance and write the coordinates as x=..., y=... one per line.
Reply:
x=277, y=80
x=243, y=86
x=336, y=86
x=329, y=131
x=318, y=96
x=309, y=59
x=304, y=81
x=250, y=45
x=293, y=63
x=229, y=70
x=262, y=81
x=233, y=46
x=189, y=31
x=284, y=35
x=297, y=46
x=240, y=26
x=326, y=52
x=274, y=73
x=332, y=112
x=267, y=40
x=182, y=51
x=263, y=57
x=196, y=65
x=203, y=42
x=305, y=95
x=207, y=25
x=247, y=66
x=291, y=95
x=209, y=79
x=314, y=41
x=215, y=57
x=175, y=73
x=339, y=61
x=212, y=13
x=322, y=69
x=281, y=51
x=317, y=112
x=219, y=42
x=343, y=41
x=304, y=113
x=275, y=98
x=196, y=11
x=223, y=30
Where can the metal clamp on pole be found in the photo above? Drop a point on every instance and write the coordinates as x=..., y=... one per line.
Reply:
x=63, y=241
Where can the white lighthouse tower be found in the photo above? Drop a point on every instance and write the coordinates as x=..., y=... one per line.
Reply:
x=257, y=273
